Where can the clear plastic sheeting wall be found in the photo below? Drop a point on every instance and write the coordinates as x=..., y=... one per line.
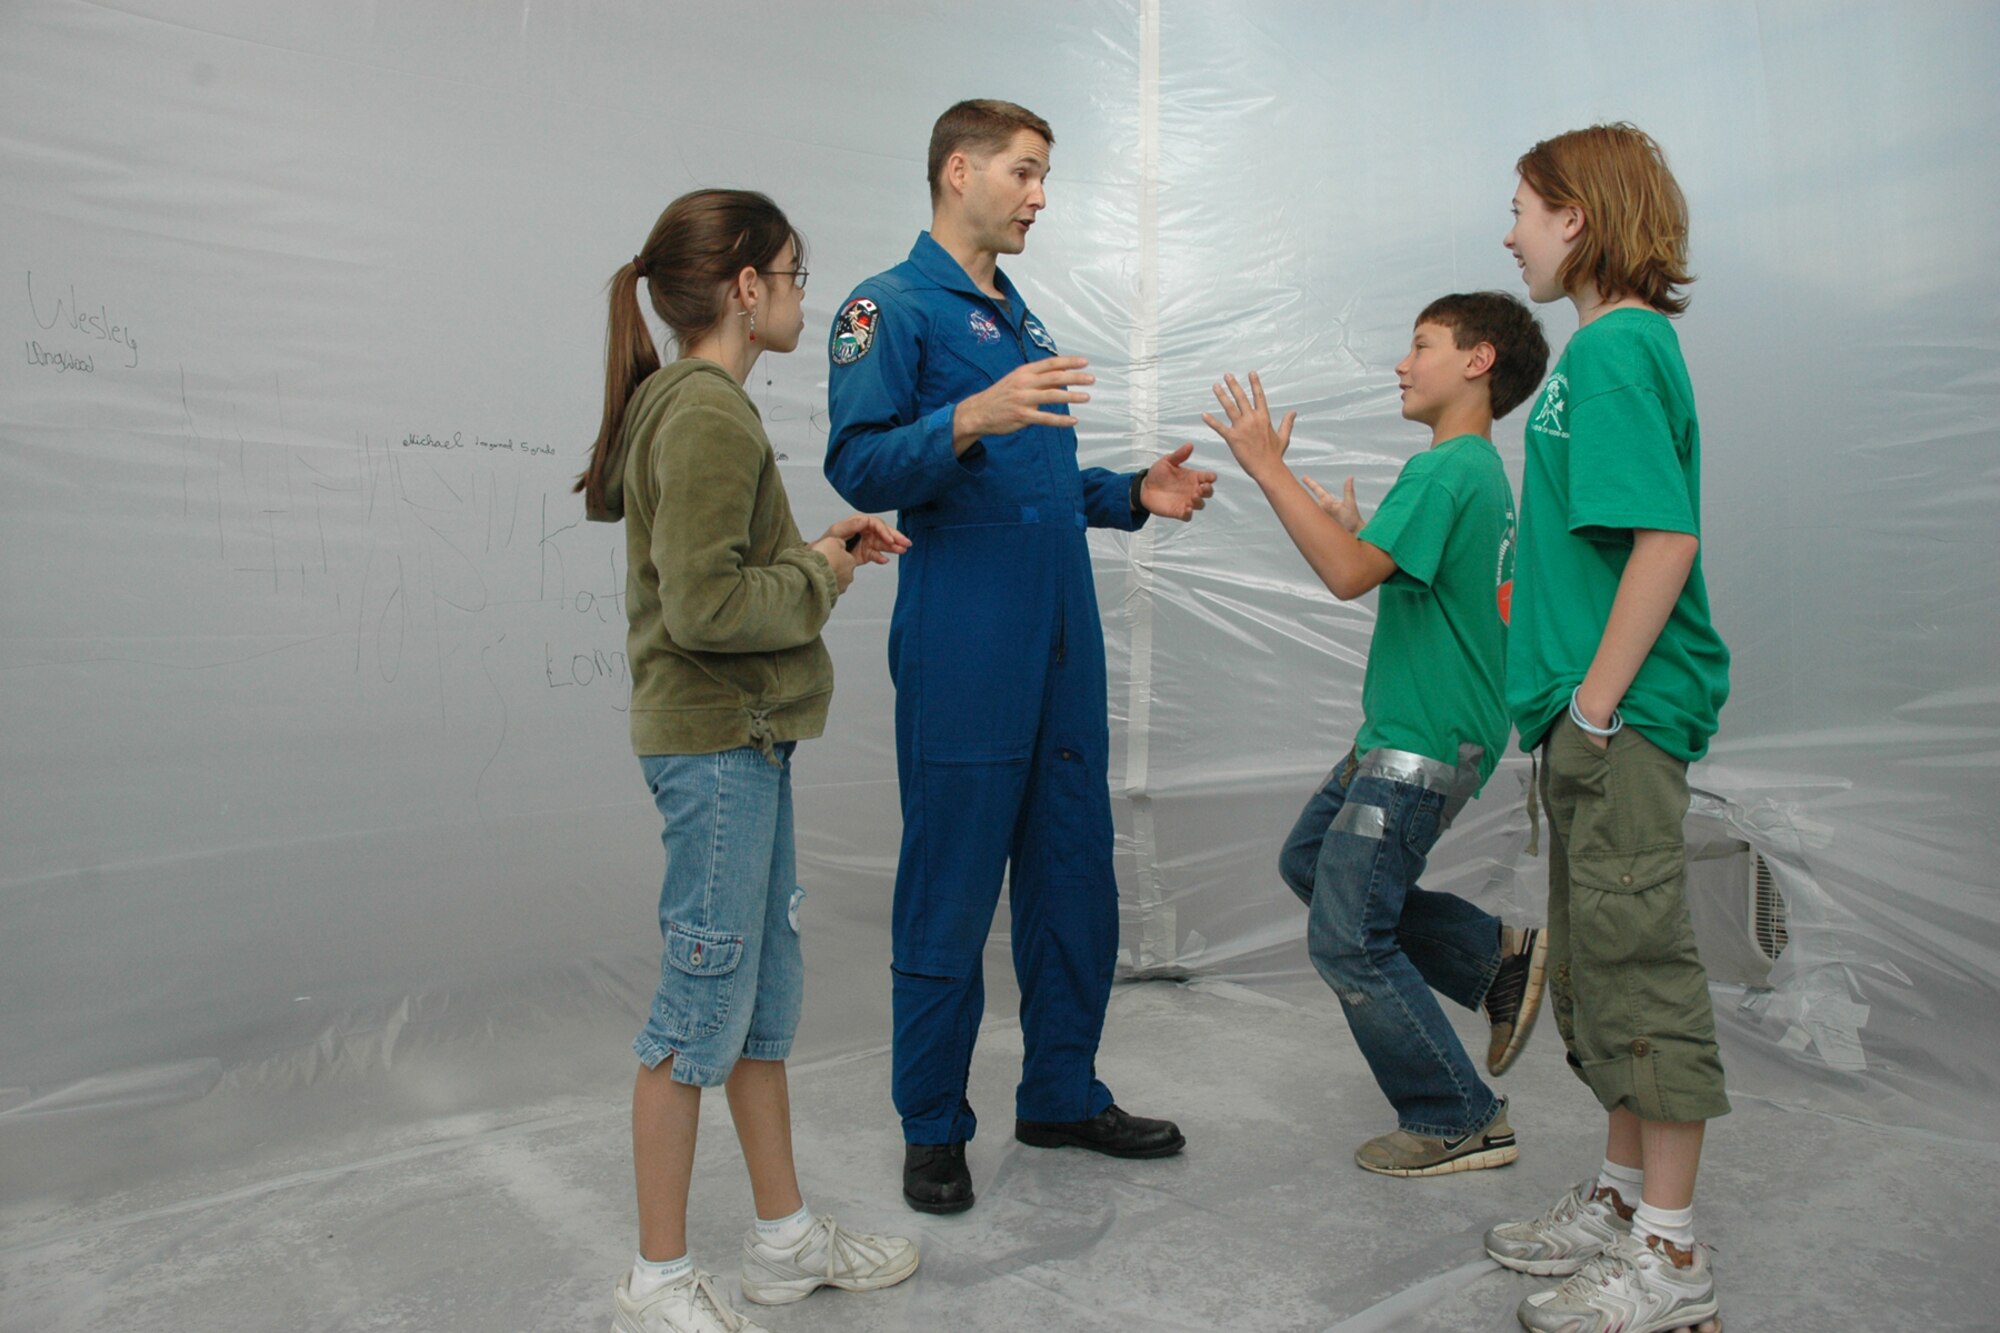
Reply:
x=312, y=678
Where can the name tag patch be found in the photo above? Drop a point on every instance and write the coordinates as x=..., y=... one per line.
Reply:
x=1038, y=335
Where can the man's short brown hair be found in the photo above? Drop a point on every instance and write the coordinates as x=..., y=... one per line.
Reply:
x=1635, y=219
x=982, y=126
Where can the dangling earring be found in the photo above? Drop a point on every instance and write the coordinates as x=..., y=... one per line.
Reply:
x=753, y=324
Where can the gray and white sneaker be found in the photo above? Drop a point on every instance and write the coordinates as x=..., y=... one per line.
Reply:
x=1633, y=1287
x=1582, y=1225
x=691, y=1305
x=828, y=1255
x=1401, y=1153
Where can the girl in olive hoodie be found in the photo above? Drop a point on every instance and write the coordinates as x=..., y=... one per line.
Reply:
x=726, y=601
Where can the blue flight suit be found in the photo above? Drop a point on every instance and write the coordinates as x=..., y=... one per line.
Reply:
x=997, y=654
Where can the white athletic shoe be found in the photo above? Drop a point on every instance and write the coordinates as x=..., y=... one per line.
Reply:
x=1579, y=1227
x=691, y=1305
x=829, y=1255
x=1630, y=1288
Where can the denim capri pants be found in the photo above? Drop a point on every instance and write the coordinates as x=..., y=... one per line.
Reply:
x=731, y=977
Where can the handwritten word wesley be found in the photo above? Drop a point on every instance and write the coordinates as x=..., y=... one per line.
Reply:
x=71, y=315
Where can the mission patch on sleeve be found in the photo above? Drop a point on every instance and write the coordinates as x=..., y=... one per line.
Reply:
x=854, y=331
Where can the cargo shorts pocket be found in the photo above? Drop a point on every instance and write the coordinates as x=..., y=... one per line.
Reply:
x=1628, y=907
x=700, y=980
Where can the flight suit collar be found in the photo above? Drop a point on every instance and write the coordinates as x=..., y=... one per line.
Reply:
x=935, y=262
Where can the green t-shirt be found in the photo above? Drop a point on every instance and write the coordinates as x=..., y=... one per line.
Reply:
x=1436, y=662
x=1612, y=445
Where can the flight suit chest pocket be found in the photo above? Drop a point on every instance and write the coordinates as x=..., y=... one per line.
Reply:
x=978, y=348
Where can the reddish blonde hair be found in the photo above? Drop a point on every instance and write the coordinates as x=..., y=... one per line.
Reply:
x=1635, y=219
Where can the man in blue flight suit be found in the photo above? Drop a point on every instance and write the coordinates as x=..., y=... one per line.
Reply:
x=948, y=401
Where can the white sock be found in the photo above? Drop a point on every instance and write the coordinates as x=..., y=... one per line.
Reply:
x=648, y=1277
x=1673, y=1224
x=1627, y=1180
x=786, y=1231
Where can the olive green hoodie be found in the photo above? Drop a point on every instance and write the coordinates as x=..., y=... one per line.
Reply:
x=725, y=599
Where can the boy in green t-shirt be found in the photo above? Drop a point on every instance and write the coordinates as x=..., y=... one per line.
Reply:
x=1434, y=723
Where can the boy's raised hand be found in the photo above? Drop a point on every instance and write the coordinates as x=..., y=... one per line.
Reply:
x=1344, y=510
x=1259, y=447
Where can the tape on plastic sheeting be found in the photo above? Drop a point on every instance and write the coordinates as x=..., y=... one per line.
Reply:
x=1363, y=821
x=1158, y=945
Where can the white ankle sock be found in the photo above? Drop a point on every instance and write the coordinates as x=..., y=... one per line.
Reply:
x=786, y=1231
x=1627, y=1180
x=648, y=1277
x=1674, y=1224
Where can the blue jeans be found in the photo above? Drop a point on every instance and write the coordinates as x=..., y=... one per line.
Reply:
x=1384, y=944
x=731, y=976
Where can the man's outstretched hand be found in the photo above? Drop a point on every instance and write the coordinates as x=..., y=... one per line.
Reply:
x=1173, y=491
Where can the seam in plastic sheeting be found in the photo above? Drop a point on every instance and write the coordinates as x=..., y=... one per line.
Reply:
x=1154, y=949
x=1394, y=1311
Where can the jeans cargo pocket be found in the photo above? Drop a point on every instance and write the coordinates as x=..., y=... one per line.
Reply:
x=697, y=1004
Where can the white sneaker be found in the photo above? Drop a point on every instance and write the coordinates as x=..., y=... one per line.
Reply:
x=827, y=1256
x=691, y=1305
x=1631, y=1288
x=1579, y=1227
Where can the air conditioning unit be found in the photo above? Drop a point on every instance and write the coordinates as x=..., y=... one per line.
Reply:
x=1739, y=917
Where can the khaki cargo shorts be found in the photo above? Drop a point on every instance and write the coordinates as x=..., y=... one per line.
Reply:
x=1629, y=992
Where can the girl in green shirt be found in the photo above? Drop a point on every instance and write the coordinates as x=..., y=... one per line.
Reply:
x=1616, y=675
x=725, y=601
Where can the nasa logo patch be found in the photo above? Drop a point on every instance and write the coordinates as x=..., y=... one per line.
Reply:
x=983, y=327
x=1039, y=336
x=854, y=331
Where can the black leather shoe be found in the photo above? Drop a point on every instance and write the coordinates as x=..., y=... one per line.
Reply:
x=1111, y=1132
x=935, y=1179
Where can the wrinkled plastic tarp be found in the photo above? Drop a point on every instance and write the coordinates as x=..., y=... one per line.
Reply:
x=313, y=679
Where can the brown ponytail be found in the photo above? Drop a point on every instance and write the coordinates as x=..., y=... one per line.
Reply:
x=702, y=241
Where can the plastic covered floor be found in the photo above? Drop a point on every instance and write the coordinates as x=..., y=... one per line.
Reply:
x=522, y=1220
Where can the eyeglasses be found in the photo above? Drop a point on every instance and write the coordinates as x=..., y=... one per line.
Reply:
x=797, y=275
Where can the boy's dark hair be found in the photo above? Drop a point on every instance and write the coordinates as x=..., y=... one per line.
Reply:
x=1520, y=352
x=982, y=126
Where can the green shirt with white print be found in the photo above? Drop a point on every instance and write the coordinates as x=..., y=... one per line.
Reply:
x=1612, y=445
